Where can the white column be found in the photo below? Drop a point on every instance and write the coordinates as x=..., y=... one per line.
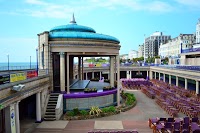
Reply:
x=163, y=77
x=170, y=82
x=62, y=71
x=151, y=74
x=92, y=74
x=186, y=84
x=197, y=87
x=127, y=74
x=155, y=75
x=159, y=76
x=100, y=76
x=147, y=73
x=112, y=71
x=68, y=74
x=176, y=80
x=118, y=80
x=38, y=108
x=79, y=67
x=130, y=75
x=86, y=75
x=17, y=123
x=82, y=74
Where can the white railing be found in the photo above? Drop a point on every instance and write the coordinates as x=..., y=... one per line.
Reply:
x=59, y=107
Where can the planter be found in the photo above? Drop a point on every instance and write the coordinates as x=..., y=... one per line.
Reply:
x=90, y=91
x=90, y=116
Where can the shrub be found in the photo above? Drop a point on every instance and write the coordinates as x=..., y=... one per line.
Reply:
x=95, y=111
x=83, y=112
x=112, y=109
x=70, y=113
x=76, y=111
x=105, y=110
x=130, y=98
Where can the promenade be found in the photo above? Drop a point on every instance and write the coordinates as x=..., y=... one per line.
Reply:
x=136, y=118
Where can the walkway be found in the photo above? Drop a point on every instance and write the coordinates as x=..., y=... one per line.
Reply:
x=136, y=118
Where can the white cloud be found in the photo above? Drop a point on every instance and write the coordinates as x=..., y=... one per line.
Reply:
x=189, y=2
x=36, y=2
x=42, y=8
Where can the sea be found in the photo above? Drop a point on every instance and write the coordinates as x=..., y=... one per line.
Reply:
x=17, y=65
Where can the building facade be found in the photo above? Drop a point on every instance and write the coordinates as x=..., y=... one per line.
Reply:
x=198, y=31
x=152, y=43
x=174, y=46
x=141, y=50
x=133, y=54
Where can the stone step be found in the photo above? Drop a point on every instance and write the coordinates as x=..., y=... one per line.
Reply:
x=49, y=116
x=50, y=110
x=49, y=119
x=51, y=107
x=50, y=113
x=53, y=99
x=55, y=94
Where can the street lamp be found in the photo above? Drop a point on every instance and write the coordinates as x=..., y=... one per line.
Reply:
x=37, y=60
x=8, y=61
x=30, y=62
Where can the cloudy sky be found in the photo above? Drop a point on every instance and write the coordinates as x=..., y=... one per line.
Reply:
x=127, y=20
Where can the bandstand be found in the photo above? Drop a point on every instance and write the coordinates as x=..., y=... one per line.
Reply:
x=56, y=52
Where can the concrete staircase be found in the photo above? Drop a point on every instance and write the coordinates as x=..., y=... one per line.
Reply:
x=50, y=114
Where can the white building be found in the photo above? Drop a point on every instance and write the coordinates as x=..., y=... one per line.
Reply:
x=152, y=43
x=198, y=31
x=173, y=47
x=124, y=56
x=141, y=51
x=133, y=54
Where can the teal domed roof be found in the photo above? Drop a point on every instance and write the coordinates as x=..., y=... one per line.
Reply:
x=74, y=31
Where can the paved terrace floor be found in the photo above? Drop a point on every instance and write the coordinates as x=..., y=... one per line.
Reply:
x=136, y=118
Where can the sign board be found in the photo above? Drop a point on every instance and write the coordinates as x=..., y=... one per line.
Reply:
x=17, y=76
x=4, y=79
x=12, y=119
x=31, y=74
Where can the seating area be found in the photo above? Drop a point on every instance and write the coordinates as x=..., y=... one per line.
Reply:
x=175, y=125
x=114, y=131
x=174, y=99
x=134, y=83
x=148, y=92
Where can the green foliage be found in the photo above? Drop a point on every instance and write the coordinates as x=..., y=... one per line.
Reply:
x=150, y=60
x=130, y=98
x=138, y=59
x=76, y=111
x=94, y=110
x=97, y=60
x=70, y=113
x=1, y=106
x=112, y=109
x=109, y=109
x=84, y=112
x=105, y=110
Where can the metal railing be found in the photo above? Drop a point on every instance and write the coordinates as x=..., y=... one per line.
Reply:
x=11, y=68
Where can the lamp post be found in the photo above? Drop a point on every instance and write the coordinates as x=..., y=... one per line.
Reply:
x=8, y=61
x=30, y=62
x=37, y=60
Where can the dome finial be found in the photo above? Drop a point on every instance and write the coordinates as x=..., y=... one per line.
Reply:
x=73, y=21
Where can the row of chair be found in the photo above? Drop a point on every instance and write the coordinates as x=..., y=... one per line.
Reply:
x=185, y=125
x=113, y=131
